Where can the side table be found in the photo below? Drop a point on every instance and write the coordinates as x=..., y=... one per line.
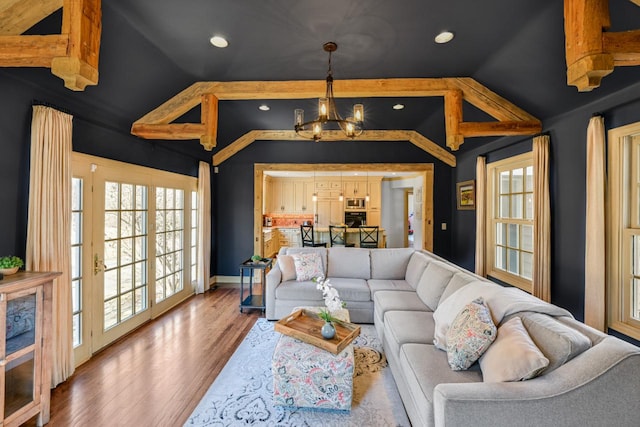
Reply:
x=248, y=268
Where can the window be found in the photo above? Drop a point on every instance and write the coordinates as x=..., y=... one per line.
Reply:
x=510, y=220
x=623, y=261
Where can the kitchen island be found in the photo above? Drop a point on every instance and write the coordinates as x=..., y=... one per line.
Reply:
x=353, y=236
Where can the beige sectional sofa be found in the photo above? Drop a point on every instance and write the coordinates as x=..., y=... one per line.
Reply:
x=580, y=377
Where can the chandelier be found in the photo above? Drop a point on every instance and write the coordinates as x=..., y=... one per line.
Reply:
x=328, y=117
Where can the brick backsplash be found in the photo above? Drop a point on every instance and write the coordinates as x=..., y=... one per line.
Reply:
x=285, y=220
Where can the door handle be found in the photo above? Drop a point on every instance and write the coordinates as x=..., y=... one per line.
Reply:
x=98, y=265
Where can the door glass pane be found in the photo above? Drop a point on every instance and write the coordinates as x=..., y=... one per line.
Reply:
x=527, y=238
x=170, y=232
x=124, y=244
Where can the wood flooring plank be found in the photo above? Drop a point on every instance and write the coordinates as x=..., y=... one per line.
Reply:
x=158, y=374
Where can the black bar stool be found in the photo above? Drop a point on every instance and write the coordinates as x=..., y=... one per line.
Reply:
x=309, y=238
x=338, y=236
x=368, y=236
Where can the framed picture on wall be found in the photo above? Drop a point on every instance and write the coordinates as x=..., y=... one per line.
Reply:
x=466, y=195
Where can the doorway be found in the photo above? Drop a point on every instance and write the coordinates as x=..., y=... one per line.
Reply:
x=409, y=218
x=424, y=172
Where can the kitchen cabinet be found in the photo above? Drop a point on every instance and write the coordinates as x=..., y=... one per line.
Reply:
x=329, y=212
x=375, y=194
x=268, y=244
x=282, y=193
x=289, y=237
x=373, y=218
x=355, y=189
x=25, y=356
x=328, y=185
x=303, y=196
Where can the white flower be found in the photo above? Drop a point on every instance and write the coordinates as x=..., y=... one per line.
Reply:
x=330, y=294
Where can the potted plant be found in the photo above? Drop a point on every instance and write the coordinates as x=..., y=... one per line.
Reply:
x=10, y=264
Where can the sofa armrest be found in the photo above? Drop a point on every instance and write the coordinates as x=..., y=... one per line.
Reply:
x=598, y=387
x=274, y=277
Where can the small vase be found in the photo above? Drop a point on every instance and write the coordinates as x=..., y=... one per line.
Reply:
x=328, y=331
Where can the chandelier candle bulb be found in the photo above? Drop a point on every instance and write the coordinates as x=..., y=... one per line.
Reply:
x=358, y=113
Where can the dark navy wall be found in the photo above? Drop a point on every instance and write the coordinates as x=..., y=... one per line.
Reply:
x=92, y=134
x=233, y=191
x=567, y=187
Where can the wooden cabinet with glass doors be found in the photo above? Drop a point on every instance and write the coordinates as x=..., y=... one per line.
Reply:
x=25, y=347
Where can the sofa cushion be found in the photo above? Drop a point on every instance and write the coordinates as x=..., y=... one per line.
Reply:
x=513, y=356
x=434, y=279
x=390, y=263
x=294, y=290
x=458, y=280
x=450, y=307
x=557, y=341
x=424, y=367
x=397, y=300
x=389, y=285
x=353, y=263
x=287, y=267
x=351, y=289
x=470, y=335
x=308, y=266
x=401, y=327
x=320, y=251
x=417, y=263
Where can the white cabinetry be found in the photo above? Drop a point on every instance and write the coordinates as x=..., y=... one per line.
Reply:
x=303, y=196
x=289, y=237
x=329, y=212
x=282, y=196
x=355, y=189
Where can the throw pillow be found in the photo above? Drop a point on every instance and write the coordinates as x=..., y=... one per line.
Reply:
x=308, y=266
x=513, y=356
x=287, y=267
x=448, y=309
x=470, y=335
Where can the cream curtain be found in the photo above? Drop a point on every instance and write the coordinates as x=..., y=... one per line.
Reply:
x=481, y=215
x=595, y=262
x=49, y=226
x=204, y=227
x=541, y=220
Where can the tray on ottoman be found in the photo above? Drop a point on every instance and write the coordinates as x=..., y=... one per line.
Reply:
x=305, y=325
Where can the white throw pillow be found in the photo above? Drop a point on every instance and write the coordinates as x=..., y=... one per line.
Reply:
x=308, y=266
x=287, y=267
x=513, y=356
x=449, y=308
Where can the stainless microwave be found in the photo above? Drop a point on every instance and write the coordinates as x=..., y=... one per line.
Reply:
x=354, y=204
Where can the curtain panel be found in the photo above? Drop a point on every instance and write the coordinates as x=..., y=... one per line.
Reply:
x=481, y=215
x=204, y=227
x=595, y=261
x=49, y=225
x=541, y=220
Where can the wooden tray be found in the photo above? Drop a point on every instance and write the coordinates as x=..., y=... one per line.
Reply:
x=305, y=325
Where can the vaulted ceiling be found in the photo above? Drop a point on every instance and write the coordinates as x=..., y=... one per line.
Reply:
x=153, y=49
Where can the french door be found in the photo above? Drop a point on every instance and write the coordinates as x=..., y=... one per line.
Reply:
x=135, y=239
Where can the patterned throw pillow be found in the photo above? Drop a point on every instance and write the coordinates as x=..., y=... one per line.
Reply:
x=308, y=266
x=470, y=335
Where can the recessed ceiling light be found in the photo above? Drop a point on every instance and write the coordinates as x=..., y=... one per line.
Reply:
x=219, y=41
x=264, y=107
x=444, y=37
x=398, y=106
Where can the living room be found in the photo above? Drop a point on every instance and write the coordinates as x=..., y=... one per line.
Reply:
x=148, y=54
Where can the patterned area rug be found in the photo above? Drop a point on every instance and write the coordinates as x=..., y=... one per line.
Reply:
x=242, y=394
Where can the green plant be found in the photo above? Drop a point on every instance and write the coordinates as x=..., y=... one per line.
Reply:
x=326, y=315
x=11, y=261
x=256, y=258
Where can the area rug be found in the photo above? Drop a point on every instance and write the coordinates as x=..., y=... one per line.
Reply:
x=242, y=394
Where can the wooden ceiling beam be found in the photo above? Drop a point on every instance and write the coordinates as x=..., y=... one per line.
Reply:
x=591, y=52
x=72, y=55
x=414, y=137
x=172, y=131
x=454, y=91
x=17, y=16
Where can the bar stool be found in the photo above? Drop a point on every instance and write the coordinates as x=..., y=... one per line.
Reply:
x=338, y=236
x=368, y=236
x=308, y=237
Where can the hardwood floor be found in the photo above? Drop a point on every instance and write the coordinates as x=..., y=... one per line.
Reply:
x=157, y=375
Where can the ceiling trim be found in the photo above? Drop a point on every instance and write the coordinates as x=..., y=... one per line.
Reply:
x=510, y=119
x=414, y=137
x=591, y=51
x=72, y=55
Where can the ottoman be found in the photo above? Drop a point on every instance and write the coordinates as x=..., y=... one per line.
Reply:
x=306, y=376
